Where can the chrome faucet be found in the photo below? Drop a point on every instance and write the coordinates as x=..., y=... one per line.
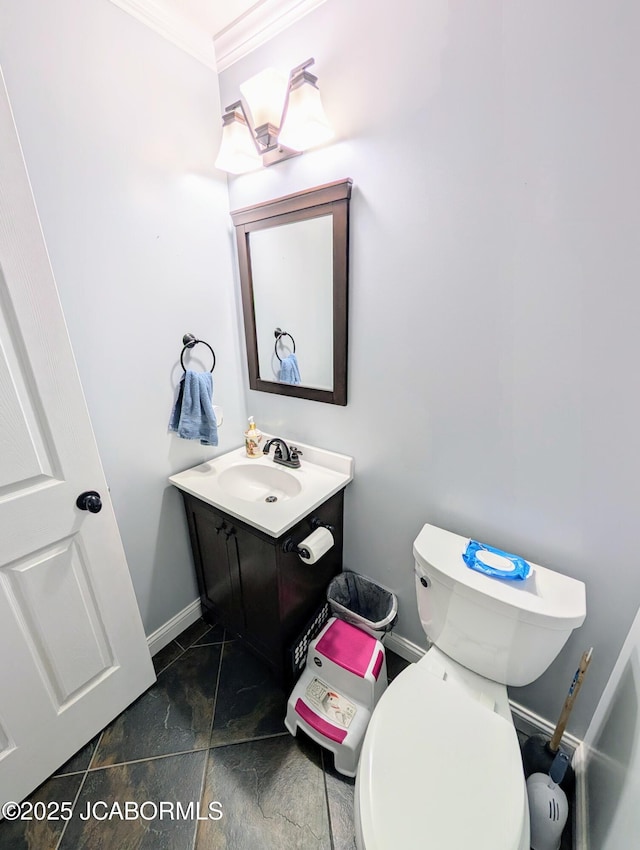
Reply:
x=287, y=456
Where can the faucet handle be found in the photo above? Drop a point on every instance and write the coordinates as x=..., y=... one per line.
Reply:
x=294, y=456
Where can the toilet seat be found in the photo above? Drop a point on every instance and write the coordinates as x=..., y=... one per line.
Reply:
x=439, y=768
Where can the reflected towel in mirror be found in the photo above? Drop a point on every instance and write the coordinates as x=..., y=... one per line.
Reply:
x=192, y=416
x=289, y=370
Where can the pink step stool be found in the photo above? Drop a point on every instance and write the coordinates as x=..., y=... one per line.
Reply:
x=345, y=676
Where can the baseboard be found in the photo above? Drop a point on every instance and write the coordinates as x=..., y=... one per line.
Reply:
x=173, y=627
x=529, y=723
x=403, y=647
x=526, y=721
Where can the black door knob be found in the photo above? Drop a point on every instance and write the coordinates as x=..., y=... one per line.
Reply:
x=89, y=501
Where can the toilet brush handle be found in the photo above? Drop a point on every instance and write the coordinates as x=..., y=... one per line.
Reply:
x=574, y=689
x=559, y=768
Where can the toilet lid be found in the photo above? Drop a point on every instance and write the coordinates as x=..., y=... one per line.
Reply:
x=439, y=770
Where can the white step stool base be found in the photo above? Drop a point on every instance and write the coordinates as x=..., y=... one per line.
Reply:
x=319, y=728
x=352, y=665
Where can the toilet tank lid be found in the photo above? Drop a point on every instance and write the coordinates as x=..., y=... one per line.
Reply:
x=546, y=597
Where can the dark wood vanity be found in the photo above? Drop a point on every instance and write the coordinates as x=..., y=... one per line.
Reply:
x=252, y=586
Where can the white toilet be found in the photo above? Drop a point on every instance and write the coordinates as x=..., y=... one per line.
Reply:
x=440, y=765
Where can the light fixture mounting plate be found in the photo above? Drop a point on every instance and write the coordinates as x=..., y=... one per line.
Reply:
x=278, y=154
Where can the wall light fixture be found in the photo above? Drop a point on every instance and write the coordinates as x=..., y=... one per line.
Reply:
x=284, y=116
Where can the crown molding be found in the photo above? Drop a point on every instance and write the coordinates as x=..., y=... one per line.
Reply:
x=258, y=24
x=163, y=18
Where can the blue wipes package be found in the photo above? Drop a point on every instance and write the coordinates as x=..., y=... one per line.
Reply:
x=480, y=557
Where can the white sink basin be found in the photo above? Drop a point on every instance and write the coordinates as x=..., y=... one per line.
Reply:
x=252, y=483
x=264, y=494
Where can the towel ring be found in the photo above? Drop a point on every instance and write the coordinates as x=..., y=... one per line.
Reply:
x=189, y=341
x=279, y=333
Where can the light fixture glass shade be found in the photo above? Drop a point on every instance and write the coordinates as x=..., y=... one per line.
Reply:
x=238, y=152
x=305, y=124
x=265, y=95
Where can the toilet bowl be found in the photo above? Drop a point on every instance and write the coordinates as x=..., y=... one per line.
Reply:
x=440, y=764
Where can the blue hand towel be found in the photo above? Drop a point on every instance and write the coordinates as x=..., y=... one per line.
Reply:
x=192, y=416
x=289, y=371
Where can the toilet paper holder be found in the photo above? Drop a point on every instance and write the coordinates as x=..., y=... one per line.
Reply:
x=289, y=546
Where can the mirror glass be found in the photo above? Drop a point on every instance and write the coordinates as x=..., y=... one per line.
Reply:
x=294, y=295
x=293, y=258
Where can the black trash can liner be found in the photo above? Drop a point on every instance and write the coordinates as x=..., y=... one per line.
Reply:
x=362, y=602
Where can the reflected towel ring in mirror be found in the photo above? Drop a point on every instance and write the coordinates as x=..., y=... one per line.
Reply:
x=280, y=333
x=189, y=341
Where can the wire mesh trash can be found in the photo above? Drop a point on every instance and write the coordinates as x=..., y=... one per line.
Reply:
x=363, y=603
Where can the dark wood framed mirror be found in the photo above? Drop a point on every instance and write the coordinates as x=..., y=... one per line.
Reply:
x=293, y=254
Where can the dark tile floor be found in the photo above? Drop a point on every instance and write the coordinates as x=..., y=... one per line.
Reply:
x=208, y=735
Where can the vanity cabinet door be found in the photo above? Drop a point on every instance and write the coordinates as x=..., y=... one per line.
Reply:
x=257, y=567
x=215, y=555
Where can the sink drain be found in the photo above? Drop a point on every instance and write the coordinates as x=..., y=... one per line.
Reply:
x=271, y=499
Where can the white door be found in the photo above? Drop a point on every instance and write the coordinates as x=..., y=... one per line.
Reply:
x=73, y=653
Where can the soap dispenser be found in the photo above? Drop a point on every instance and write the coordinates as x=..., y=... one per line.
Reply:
x=252, y=439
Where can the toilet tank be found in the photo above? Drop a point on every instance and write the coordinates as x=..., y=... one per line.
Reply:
x=506, y=630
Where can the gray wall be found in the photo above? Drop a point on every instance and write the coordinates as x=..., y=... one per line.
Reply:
x=494, y=301
x=119, y=130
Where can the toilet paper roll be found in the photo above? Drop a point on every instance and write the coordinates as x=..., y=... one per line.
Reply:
x=316, y=544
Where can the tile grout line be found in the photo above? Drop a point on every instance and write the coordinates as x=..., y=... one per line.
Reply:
x=185, y=649
x=326, y=799
x=255, y=740
x=173, y=660
x=146, y=758
x=93, y=754
x=206, y=758
x=79, y=791
x=73, y=809
x=179, y=753
x=177, y=639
